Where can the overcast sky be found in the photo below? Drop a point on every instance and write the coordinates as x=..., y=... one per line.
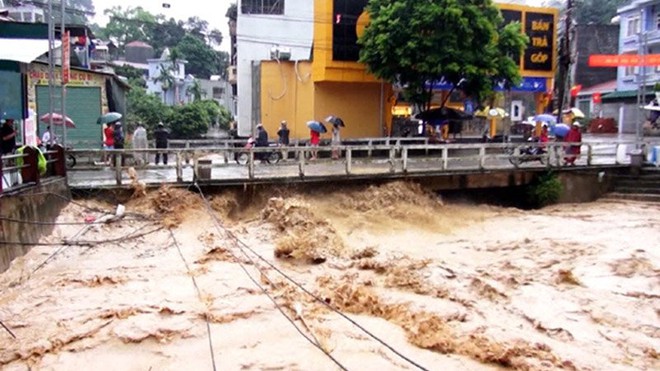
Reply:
x=212, y=11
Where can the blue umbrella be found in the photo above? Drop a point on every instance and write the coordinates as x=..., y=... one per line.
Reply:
x=546, y=118
x=316, y=126
x=109, y=118
x=560, y=130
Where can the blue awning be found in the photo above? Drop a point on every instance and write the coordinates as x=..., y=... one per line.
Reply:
x=528, y=84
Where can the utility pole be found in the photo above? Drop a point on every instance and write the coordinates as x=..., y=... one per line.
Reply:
x=641, y=77
x=565, y=59
x=51, y=62
x=62, y=63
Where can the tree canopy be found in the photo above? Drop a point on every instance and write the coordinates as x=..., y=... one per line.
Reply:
x=591, y=11
x=412, y=42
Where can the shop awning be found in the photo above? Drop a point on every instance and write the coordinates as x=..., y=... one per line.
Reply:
x=624, y=94
x=23, y=50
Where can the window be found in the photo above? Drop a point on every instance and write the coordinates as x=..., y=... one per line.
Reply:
x=262, y=6
x=218, y=92
x=631, y=71
x=633, y=26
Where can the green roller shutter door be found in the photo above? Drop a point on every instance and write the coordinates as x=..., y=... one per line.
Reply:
x=83, y=106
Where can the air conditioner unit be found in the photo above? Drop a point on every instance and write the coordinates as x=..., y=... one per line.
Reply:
x=279, y=53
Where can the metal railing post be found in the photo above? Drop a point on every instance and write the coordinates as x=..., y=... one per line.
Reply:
x=369, y=151
x=251, y=164
x=392, y=160
x=301, y=162
x=516, y=156
x=404, y=158
x=179, y=167
x=118, y=168
x=349, y=161
x=482, y=157
x=445, y=157
x=226, y=152
x=590, y=154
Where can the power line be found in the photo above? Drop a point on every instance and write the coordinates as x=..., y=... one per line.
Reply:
x=241, y=245
x=316, y=344
x=199, y=296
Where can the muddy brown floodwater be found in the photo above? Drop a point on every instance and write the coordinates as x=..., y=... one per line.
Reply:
x=451, y=287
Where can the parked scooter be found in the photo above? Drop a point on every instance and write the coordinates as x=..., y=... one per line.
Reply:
x=272, y=157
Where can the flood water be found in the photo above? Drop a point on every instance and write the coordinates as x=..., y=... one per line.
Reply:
x=450, y=286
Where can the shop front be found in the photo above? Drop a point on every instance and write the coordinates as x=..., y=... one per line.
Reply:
x=85, y=99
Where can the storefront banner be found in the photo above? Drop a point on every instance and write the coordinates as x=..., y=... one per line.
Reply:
x=528, y=84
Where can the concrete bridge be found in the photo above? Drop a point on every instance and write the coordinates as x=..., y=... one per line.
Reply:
x=472, y=165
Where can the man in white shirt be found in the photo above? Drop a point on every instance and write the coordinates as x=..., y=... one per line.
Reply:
x=48, y=139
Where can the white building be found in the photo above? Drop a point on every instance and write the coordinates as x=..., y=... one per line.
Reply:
x=25, y=13
x=175, y=93
x=218, y=90
x=261, y=26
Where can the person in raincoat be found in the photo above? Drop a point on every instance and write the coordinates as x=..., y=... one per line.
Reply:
x=573, y=151
x=140, y=142
x=335, y=142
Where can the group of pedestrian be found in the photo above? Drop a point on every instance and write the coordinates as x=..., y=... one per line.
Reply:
x=283, y=135
x=114, y=138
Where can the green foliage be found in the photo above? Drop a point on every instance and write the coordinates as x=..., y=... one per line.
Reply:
x=189, y=121
x=225, y=118
x=546, y=190
x=135, y=76
x=410, y=42
x=596, y=11
x=146, y=108
x=212, y=108
x=202, y=60
x=130, y=24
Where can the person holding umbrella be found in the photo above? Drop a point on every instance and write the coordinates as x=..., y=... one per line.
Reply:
x=118, y=135
x=315, y=130
x=48, y=139
x=335, y=142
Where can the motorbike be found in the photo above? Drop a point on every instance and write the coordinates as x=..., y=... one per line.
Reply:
x=272, y=157
x=530, y=153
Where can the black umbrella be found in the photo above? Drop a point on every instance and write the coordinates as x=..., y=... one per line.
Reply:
x=444, y=113
x=336, y=121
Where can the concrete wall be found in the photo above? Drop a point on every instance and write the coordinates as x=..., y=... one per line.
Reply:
x=586, y=186
x=35, y=205
x=287, y=95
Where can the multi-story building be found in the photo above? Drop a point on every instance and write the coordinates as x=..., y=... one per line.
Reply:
x=29, y=13
x=167, y=80
x=264, y=25
x=297, y=60
x=639, y=34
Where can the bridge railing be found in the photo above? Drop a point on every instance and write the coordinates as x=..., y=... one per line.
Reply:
x=22, y=169
x=398, y=157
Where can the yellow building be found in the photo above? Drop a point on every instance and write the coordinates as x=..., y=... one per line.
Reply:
x=334, y=83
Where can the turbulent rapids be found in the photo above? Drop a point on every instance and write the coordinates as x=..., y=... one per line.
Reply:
x=445, y=285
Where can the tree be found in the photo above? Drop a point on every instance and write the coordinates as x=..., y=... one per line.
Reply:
x=189, y=121
x=215, y=37
x=130, y=24
x=146, y=108
x=196, y=90
x=590, y=11
x=412, y=42
x=166, y=79
x=225, y=118
x=202, y=60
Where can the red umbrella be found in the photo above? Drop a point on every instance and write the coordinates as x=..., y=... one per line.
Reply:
x=57, y=120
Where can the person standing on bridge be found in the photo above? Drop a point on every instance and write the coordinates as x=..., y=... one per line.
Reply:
x=162, y=137
x=118, y=135
x=140, y=142
x=573, y=150
x=283, y=138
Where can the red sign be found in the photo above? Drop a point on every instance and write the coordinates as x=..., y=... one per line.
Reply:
x=66, y=58
x=597, y=98
x=575, y=90
x=623, y=60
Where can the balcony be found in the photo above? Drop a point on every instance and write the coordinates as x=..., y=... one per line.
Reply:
x=231, y=74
